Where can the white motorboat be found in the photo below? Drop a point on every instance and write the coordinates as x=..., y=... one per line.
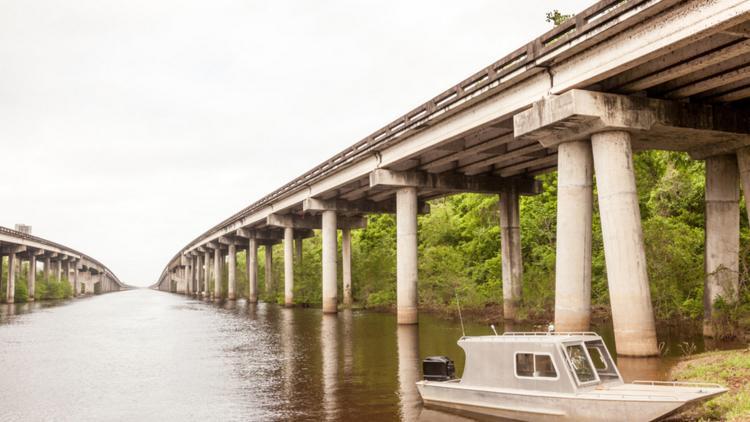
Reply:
x=550, y=377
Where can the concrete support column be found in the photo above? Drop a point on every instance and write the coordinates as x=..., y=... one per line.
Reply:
x=76, y=285
x=268, y=249
x=406, y=255
x=251, y=261
x=198, y=275
x=722, y=234
x=232, y=273
x=188, y=276
x=32, y=277
x=47, y=268
x=10, y=292
x=206, y=274
x=510, y=247
x=575, y=168
x=66, y=269
x=346, y=265
x=288, y=266
x=630, y=297
x=58, y=271
x=218, y=260
x=330, y=249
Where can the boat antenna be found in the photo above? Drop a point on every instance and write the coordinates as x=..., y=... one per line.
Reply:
x=493, y=329
x=460, y=317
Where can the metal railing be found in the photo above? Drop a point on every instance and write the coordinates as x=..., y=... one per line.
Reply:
x=545, y=333
x=678, y=384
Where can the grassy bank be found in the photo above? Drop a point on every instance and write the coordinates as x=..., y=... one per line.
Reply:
x=728, y=368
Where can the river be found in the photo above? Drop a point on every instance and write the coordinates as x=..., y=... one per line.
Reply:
x=147, y=355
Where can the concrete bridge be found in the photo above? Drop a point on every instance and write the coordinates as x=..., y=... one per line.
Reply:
x=85, y=274
x=621, y=76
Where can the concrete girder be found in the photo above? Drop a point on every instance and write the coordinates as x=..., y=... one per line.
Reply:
x=314, y=222
x=653, y=124
x=451, y=182
x=362, y=206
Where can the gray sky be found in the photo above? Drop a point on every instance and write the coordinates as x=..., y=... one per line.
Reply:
x=128, y=128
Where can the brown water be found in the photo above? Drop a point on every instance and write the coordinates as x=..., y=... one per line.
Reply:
x=146, y=355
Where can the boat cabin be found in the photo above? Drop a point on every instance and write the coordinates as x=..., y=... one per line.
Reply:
x=553, y=362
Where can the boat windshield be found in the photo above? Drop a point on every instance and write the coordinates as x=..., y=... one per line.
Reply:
x=601, y=359
x=580, y=363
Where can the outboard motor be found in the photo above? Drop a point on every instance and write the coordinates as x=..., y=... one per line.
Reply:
x=438, y=368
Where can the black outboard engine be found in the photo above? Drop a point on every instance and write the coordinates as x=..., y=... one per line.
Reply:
x=438, y=368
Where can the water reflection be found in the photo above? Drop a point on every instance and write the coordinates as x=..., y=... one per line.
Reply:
x=330, y=354
x=229, y=361
x=408, y=371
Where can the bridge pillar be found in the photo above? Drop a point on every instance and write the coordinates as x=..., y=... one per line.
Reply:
x=630, y=295
x=722, y=235
x=206, y=274
x=573, y=258
x=47, y=268
x=251, y=262
x=194, y=275
x=58, y=271
x=188, y=275
x=510, y=244
x=406, y=255
x=76, y=285
x=288, y=266
x=232, y=272
x=10, y=292
x=268, y=249
x=218, y=260
x=346, y=265
x=330, y=250
x=32, y=276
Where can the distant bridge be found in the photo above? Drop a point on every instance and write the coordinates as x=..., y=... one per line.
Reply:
x=622, y=76
x=86, y=274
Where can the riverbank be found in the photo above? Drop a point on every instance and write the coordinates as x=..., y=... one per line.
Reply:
x=729, y=368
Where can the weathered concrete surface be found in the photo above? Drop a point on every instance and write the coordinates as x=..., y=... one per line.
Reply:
x=575, y=171
x=406, y=256
x=330, y=250
x=288, y=266
x=346, y=265
x=653, y=124
x=32, y=277
x=510, y=246
x=232, y=272
x=10, y=291
x=722, y=234
x=630, y=296
x=251, y=260
x=218, y=273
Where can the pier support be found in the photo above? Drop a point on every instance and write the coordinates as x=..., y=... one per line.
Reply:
x=510, y=247
x=206, y=273
x=722, y=235
x=10, y=291
x=232, y=272
x=218, y=261
x=573, y=258
x=288, y=266
x=76, y=285
x=32, y=276
x=251, y=263
x=630, y=296
x=47, y=268
x=330, y=249
x=268, y=249
x=406, y=255
x=346, y=265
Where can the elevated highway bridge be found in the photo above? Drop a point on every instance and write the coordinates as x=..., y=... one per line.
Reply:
x=85, y=274
x=619, y=77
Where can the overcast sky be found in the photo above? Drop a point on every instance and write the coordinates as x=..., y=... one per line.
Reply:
x=130, y=127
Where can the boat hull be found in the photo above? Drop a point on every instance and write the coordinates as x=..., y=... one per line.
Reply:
x=517, y=405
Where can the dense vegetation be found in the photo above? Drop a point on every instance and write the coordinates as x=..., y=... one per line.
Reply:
x=459, y=249
x=45, y=289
